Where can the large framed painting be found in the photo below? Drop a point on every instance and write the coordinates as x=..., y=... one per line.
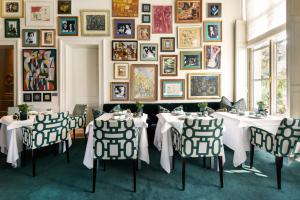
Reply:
x=162, y=21
x=39, y=70
x=143, y=32
x=168, y=65
x=124, y=28
x=125, y=8
x=212, y=57
x=201, y=86
x=167, y=44
x=12, y=28
x=149, y=52
x=143, y=82
x=119, y=91
x=40, y=13
x=95, y=22
x=190, y=60
x=67, y=26
x=214, y=10
x=124, y=50
x=172, y=89
x=188, y=11
x=47, y=38
x=30, y=37
x=189, y=37
x=212, y=31
x=12, y=8
x=121, y=71
x=64, y=7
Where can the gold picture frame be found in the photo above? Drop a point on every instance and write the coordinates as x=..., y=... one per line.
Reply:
x=121, y=71
x=189, y=37
x=47, y=38
x=125, y=8
x=188, y=11
x=8, y=8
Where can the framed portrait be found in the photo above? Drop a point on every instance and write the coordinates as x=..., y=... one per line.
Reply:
x=167, y=44
x=67, y=26
x=119, y=91
x=212, y=57
x=12, y=28
x=125, y=8
x=149, y=52
x=64, y=7
x=39, y=13
x=124, y=28
x=27, y=97
x=146, y=18
x=95, y=22
x=168, y=65
x=188, y=11
x=47, y=97
x=124, y=50
x=201, y=86
x=12, y=8
x=172, y=89
x=121, y=71
x=37, y=97
x=146, y=7
x=212, y=31
x=41, y=63
x=47, y=38
x=30, y=37
x=162, y=22
x=143, y=32
x=143, y=81
x=189, y=37
x=190, y=60
x=214, y=10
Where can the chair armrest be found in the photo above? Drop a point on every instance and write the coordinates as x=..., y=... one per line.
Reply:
x=263, y=139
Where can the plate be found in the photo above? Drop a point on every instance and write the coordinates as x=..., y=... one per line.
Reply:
x=255, y=117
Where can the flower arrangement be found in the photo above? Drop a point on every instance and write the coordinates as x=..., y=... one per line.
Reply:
x=202, y=106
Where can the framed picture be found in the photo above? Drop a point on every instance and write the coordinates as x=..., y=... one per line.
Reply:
x=121, y=71
x=146, y=7
x=168, y=65
x=64, y=7
x=95, y=22
x=67, y=26
x=27, y=97
x=167, y=44
x=12, y=28
x=47, y=97
x=146, y=18
x=143, y=81
x=149, y=52
x=39, y=70
x=47, y=38
x=189, y=37
x=201, y=86
x=172, y=89
x=162, y=22
x=190, y=60
x=37, y=97
x=125, y=8
x=124, y=50
x=212, y=31
x=12, y=8
x=212, y=57
x=39, y=13
x=30, y=37
x=124, y=28
x=188, y=11
x=119, y=91
x=214, y=9
x=143, y=32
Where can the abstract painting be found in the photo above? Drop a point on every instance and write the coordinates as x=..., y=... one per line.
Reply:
x=95, y=22
x=162, y=22
x=189, y=37
x=119, y=91
x=124, y=50
x=212, y=31
x=212, y=57
x=188, y=11
x=168, y=65
x=125, y=8
x=12, y=8
x=39, y=13
x=172, y=89
x=190, y=60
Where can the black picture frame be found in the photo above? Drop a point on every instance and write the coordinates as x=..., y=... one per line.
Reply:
x=47, y=97
x=37, y=97
x=163, y=47
x=27, y=97
x=146, y=7
x=146, y=18
x=16, y=31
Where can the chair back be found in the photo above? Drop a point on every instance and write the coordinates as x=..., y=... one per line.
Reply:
x=12, y=110
x=79, y=109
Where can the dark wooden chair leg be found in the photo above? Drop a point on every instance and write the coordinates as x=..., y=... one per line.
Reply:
x=204, y=161
x=104, y=165
x=209, y=163
x=23, y=155
x=183, y=174
x=251, y=155
x=33, y=162
x=279, y=163
x=74, y=133
x=85, y=139
x=220, y=161
x=67, y=149
x=134, y=164
x=94, y=175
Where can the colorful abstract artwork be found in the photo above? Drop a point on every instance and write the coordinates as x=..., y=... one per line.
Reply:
x=124, y=50
x=188, y=11
x=162, y=21
x=125, y=8
x=212, y=57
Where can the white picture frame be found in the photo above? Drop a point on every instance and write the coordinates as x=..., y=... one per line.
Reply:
x=40, y=13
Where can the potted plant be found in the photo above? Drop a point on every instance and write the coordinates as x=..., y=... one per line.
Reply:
x=23, y=108
x=202, y=106
x=261, y=107
x=139, y=108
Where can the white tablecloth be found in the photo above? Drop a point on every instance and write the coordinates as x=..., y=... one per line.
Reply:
x=140, y=123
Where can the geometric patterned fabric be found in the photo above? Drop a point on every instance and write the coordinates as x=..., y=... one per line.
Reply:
x=164, y=110
x=78, y=119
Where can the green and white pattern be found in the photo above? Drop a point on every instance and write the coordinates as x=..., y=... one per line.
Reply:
x=78, y=118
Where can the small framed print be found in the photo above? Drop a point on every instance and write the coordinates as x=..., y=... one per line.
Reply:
x=146, y=18
x=27, y=97
x=149, y=52
x=12, y=28
x=12, y=8
x=143, y=32
x=146, y=7
x=167, y=44
x=119, y=91
x=212, y=57
x=67, y=26
x=212, y=31
x=37, y=97
x=47, y=38
x=64, y=7
x=214, y=10
x=95, y=22
x=168, y=65
x=189, y=37
x=47, y=97
x=40, y=13
x=121, y=71
x=190, y=60
x=172, y=89
x=124, y=28
x=30, y=37
x=188, y=11
x=124, y=50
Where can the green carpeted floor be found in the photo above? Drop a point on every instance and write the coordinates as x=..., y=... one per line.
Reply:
x=58, y=180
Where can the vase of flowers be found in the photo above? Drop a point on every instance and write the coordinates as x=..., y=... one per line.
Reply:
x=139, y=108
x=23, y=108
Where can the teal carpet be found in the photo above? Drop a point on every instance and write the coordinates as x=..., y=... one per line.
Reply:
x=58, y=180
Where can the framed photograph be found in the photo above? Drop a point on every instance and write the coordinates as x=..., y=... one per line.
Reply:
x=12, y=8
x=143, y=81
x=30, y=37
x=172, y=89
x=47, y=97
x=12, y=28
x=214, y=10
x=125, y=8
x=121, y=71
x=189, y=37
x=212, y=57
x=39, y=70
x=124, y=28
x=27, y=97
x=64, y=7
x=146, y=7
x=47, y=38
x=168, y=65
x=167, y=44
x=149, y=52
x=39, y=13
x=119, y=91
x=190, y=60
x=212, y=31
x=37, y=97
x=124, y=50
x=162, y=22
x=67, y=26
x=95, y=22
x=188, y=11
x=143, y=32
x=201, y=86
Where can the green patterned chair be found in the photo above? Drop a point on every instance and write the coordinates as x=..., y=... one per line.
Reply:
x=199, y=138
x=47, y=130
x=115, y=140
x=280, y=145
x=78, y=119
